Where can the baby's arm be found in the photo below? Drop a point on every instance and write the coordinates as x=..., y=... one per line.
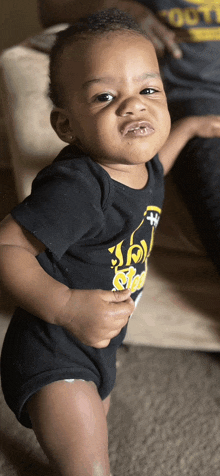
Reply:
x=93, y=316
x=184, y=130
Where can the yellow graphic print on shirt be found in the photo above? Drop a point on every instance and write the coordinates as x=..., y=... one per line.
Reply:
x=196, y=22
x=126, y=257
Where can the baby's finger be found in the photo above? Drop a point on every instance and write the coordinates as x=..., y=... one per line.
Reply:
x=114, y=296
x=123, y=309
x=120, y=296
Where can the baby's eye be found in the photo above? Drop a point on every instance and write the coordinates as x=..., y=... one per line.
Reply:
x=148, y=91
x=105, y=97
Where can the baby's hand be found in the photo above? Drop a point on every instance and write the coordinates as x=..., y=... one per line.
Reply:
x=96, y=316
x=205, y=126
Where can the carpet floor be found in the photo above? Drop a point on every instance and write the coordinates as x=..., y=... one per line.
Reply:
x=164, y=418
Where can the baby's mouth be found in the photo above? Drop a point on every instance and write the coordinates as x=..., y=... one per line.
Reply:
x=137, y=129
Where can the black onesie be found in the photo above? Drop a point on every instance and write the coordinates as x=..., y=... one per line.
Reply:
x=98, y=234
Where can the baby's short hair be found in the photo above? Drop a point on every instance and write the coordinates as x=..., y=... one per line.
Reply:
x=99, y=23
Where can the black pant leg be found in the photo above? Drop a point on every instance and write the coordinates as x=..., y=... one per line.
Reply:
x=197, y=175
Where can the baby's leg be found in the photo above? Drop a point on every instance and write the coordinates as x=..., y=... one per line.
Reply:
x=69, y=420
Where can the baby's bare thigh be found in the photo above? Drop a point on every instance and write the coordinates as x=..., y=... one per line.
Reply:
x=106, y=401
x=71, y=392
x=69, y=420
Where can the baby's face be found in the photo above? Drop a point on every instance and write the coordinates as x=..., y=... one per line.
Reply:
x=115, y=100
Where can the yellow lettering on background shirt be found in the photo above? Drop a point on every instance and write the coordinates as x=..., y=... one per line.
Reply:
x=217, y=13
x=204, y=34
x=192, y=16
x=206, y=13
x=210, y=3
x=176, y=17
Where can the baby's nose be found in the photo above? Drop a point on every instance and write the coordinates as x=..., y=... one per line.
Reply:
x=132, y=105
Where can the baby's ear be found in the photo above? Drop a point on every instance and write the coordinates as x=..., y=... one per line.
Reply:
x=60, y=122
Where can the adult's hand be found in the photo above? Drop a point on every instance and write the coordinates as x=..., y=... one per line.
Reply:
x=162, y=37
x=68, y=11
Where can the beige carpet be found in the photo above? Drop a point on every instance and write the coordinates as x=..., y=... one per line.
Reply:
x=164, y=419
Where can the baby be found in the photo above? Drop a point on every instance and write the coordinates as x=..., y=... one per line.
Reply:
x=74, y=253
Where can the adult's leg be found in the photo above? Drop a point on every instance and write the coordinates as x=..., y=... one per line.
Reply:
x=197, y=174
x=69, y=420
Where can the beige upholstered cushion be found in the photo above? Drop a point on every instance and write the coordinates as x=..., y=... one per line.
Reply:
x=32, y=141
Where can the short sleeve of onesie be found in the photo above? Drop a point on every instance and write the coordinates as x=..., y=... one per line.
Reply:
x=65, y=205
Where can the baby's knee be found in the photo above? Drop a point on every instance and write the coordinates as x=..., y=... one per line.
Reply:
x=98, y=470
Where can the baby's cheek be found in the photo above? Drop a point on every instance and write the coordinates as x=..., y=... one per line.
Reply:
x=166, y=127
